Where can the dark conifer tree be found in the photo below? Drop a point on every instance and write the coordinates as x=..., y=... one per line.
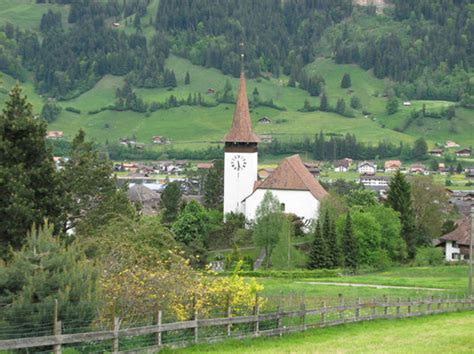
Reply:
x=399, y=198
x=349, y=245
x=346, y=81
x=334, y=246
x=324, y=104
x=318, y=256
x=187, y=78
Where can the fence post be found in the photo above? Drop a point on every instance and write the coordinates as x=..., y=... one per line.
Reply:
x=430, y=301
x=195, y=318
x=448, y=301
x=115, y=341
x=385, y=305
x=341, y=304
x=158, y=323
x=398, y=307
x=279, y=320
x=374, y=304
x=409, y=306
x=56, y=328
x=257, y=315
x=303, y=315
x=357, y=311
x=323, y=313
x=439, y=303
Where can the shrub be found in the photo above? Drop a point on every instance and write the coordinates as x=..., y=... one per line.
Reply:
x=73, y=110
x=429, y=256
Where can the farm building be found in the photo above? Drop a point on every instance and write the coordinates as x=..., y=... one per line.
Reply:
x=463, y=153
x=367, y=168
x=342, y=165
x=456, y=243
x=392, y=165
x=436, y=152
x=264, y=120
x=54, y=135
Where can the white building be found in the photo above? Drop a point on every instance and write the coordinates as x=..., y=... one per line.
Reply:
x=456, y=243
x=294, y=186
x=367, y=168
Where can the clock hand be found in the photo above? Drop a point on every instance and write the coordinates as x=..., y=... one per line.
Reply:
x=238, y=165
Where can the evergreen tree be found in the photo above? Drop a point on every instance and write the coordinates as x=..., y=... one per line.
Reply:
x=318, y=256
x=349, y=245
x=326, y=236
x=392, y=105
x=399, y=198
x=187, y=78
x=29, y=184
x=171, y=202
x=324, y=104
x=420, y=148
x=214, y=186
x=341, y=106
x=459, y=168
x=355, y=102
x=346, y=81
x=334, y=246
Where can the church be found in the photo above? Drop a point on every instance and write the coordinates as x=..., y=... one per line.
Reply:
x=296, y=189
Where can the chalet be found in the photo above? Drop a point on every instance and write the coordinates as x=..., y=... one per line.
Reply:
x=312, y=168
x=205, y=166
x=342, y=165
x=442, y=168
x=407, y=104
x=145, y=198
x=463, y=153
x=463, y=200
x=455, y=244
x=392, y=165
x=264, y=120
x=210, y=91
x=158, y=139
x=378, y=184
x=469, y=172
x=54, y=135
x=418, y=169
x=451, y=144
x=436, y=152
x=265, y=172
x=130, y=166
x=266, y=138
x=367, y=168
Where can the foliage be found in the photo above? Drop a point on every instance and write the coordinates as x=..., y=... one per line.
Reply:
x=362, y=198
x=30, y=187
x=214, y=186
x=429, y=256
x=268, y=224
x=392, y=105
x=319, y=253
x=91, y=196
x=400, y=199
x=285, y=255
x=50, y=111
x=191, y=230
x=170, y=202
x=420, y=149
x=346, y=81
x=349, y=245
x=368, y=235
x=44, y=270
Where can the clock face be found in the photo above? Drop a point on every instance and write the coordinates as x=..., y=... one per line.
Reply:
x=238, y=162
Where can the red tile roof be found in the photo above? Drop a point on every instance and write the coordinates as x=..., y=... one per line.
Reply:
x=461, y=233
x=292, y=174
x=241, y=131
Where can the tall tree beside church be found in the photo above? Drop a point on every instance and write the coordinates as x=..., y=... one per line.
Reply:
x=214, y=186
x=171, y=202
x=30, y=190
x=326, y=236
x=334, y=246
x=349, y=245
x=318, y=256
x=399, y=198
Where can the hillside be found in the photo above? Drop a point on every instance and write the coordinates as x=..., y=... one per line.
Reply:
x=198, y=126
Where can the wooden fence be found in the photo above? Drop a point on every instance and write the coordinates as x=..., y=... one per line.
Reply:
x=275, y=323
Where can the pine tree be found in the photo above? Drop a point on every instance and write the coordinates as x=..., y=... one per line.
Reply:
x=326, y=235
x=214, y=186
x=346, y=81
x=334, y=246
x=349, y=245
x=459, y=168
x=318, y=256
x=399, y=198
x=341, y=106
x=171, y=202
x=324, y=104
x=187, y=78
x=29, y=184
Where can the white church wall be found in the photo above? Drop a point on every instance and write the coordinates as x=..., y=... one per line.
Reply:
x=301, y=203
x=238, y=184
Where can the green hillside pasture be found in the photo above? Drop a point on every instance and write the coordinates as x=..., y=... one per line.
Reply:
x=27, y=13
x=447, y=333
x=7, y=83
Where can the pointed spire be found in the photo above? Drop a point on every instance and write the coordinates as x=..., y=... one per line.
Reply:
x=241, y=131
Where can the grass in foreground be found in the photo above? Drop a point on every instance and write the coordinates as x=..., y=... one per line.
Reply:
x=448, y=333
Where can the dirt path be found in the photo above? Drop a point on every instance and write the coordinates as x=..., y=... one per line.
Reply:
x=376, y=286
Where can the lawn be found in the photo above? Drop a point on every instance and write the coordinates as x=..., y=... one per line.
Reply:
x=27, y=13
x=447, y=333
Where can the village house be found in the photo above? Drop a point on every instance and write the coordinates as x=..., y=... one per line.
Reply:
x=367, y=168
x=392, y=165
x=265, y=138
x=469, y=172
x=379, y=184
x=342, y=165
x=145, y=198
x=205, y=166
x=463, y=153
x=456, y=243
x=436, y=152
x=442, y=168
x=313, y=168
x=158, y=139
x=406, y=104
x=462, y=200
x=451, y=144
x=54, y=135
x=130, y=167
x=417, y=169
x=264, y=120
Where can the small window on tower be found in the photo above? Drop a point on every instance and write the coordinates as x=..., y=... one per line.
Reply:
x=282, y=206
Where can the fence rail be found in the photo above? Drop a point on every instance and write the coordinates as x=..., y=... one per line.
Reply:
x=275, y=323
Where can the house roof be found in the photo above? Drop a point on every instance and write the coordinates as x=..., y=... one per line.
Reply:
x=292, y=174
x=342, y=163
x=241, y=131
x=461, y=234
x=392, y=164
x=366, y=163
x=142, y=194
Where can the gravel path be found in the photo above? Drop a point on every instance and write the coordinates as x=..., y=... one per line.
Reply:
x=376, y=286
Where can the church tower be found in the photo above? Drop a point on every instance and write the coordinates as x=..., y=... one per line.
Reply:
x=241, y=156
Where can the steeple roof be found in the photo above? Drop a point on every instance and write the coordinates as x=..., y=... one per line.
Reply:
x=292, y=174
x=241, y=131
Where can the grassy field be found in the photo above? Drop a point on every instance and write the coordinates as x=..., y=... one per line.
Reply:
x=449, y=333
x=26, y=13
